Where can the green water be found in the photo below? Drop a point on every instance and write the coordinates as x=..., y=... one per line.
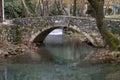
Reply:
x=54, y=62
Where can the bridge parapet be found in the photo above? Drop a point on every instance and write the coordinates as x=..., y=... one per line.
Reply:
x=54, y=19
x=63, y=20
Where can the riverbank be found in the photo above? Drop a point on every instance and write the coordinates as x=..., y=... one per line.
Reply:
x=101, y=55
x=8, y=49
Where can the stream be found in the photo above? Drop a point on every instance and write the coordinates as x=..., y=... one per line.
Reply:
x=54, y=62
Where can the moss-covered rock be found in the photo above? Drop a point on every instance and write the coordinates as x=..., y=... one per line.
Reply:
x=113, y=41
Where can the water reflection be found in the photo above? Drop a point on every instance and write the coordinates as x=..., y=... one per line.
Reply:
x=67, y=49
x=45, y=65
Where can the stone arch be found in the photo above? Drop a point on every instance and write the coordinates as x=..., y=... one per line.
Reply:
x=86, y=26
x=41, y=35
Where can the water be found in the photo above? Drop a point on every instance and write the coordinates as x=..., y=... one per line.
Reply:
x=54, y=62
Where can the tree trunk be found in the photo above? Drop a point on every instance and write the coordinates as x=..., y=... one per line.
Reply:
x=68, y=10
x=58, y=5
x=38, y=9
x=109, y=39
x=46, y=8
x=26, y=8
x=82, y=8
x=74, y=8
x=1, y=13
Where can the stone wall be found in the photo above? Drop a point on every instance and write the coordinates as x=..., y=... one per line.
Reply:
x=83, y=23
x=10, y=33
x=78, y=21
x=27, y=29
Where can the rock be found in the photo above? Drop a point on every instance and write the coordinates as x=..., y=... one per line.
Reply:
x=6, y=54
x=103, y=56
x=3, y=54
x=1, y=51
x=113, y=76
x=9, y=50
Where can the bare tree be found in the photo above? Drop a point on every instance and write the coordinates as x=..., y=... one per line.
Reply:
x=74, y=7
x=38, y=8
x=28, y=13
x=83, y=7
x=1, y=13
x=68, y=7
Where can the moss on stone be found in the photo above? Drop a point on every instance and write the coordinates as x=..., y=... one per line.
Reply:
x=113, y=41
x=1, y=29
x=42, y=24
x=27, y=29
x=16, y=34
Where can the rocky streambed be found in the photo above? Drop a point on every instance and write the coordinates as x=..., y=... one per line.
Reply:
x=103, y=56
x=9, y=50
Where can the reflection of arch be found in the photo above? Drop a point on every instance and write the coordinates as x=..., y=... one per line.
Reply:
x=41, y=35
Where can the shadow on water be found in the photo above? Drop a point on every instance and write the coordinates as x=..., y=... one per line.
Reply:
x=67, y=50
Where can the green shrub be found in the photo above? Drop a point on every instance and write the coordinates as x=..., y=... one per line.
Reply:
x=13, y=10
x=109, y=11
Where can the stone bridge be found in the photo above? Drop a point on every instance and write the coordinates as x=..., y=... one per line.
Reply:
x=35, y=30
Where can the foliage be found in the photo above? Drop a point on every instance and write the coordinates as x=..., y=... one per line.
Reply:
x=56, y=9
x=109, y=11
x=114, y=29
x=16, y=32
x=55, y=12
x=13, y=10
x=30, y=5
x=90, y=11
